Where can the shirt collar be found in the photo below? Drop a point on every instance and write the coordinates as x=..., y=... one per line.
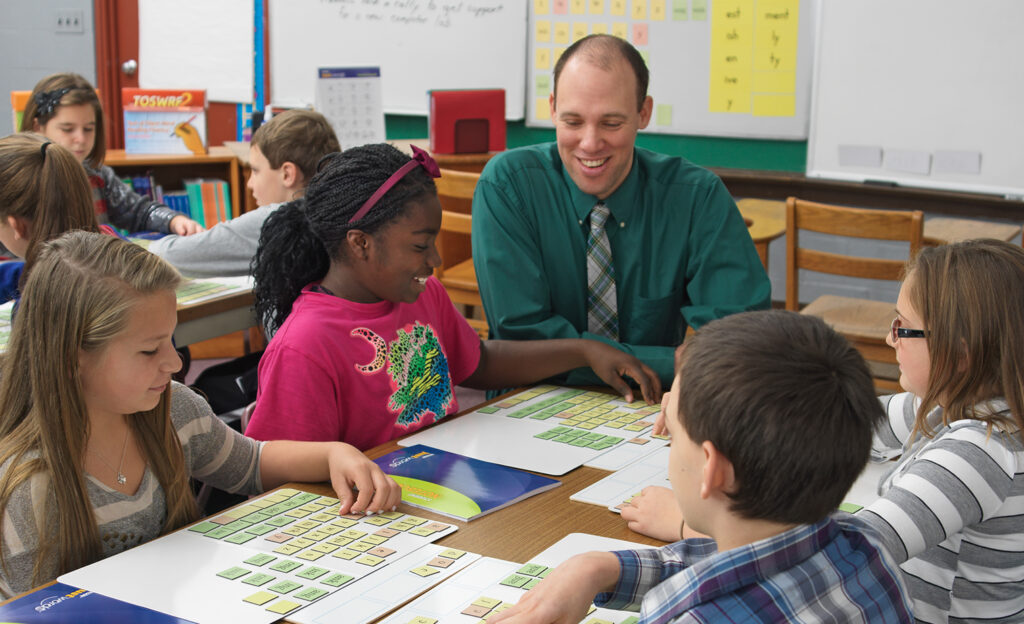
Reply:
x=730, y=571
x=621, y=203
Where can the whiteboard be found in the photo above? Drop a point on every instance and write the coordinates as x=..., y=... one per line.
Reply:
x=211, y=47
x=740, y=68
x=924, y=93
x=419, y=45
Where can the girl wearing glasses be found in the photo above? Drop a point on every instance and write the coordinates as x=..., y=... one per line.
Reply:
x=952, y=508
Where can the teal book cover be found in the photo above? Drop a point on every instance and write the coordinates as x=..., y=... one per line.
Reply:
x=457, y=486
x=60, y=603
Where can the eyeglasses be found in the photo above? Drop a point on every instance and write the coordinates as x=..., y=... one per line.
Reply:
x=902, y=332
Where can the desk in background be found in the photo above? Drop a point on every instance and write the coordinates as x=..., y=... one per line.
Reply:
x=216, y=315
x=202, y=319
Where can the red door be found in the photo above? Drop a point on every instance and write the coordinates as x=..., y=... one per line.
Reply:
x=117, y=50
x=117, y=56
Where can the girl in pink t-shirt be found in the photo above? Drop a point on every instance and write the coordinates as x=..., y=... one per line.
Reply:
x=368, y=346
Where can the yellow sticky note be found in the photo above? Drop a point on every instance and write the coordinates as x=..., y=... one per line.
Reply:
x=680, y=10
x=542, y=85
x=541, y=110
x=579, y=31
x=561, y=32
x=639, y=11
x=774, y=105
x=542, y=59
x=728, y=101
x=773, y=82
x=597, y=7
x=658, y=10
x=599, y=28
x=699, y=10
x=620, y=30
x=618, y=7
x=577, y=7
x=664, y=115
x=543, y=31
x=541, y=7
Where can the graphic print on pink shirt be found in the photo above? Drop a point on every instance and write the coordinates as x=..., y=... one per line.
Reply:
x=418, y=368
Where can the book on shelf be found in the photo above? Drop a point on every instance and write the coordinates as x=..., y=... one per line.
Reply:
x=63, y=603
x=457, y=486
x=209, y=201
x=164, y=121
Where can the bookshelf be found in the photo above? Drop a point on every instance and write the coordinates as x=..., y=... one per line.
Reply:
x=170, y=170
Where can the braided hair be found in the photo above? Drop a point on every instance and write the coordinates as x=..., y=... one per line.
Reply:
x=300, y=239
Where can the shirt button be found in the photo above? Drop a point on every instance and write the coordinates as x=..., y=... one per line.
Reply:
x=622, y=224
x=581, y=221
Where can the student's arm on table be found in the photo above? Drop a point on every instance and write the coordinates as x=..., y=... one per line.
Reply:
x=506, y=363
x=566, y=594
x=342, y=464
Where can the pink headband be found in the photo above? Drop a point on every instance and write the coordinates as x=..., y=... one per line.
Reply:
x=419, y=158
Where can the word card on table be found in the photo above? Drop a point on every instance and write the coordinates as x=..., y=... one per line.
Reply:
x=551, y=430
x=493, y=585
x=372, y=596
x=622, y=485
x=260, y=561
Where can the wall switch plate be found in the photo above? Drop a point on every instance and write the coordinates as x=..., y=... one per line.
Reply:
x=69, y=21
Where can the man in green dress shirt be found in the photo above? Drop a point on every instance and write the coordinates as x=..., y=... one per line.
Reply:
x=680, y=252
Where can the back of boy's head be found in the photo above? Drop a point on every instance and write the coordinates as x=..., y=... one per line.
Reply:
x=297, y=136
x=789, y=402
x=301, y=238
x=66, y=89
x=969, y=296
x=42, y=182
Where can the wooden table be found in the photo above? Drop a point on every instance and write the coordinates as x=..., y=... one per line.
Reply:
x=521, y=531
x=767, y=222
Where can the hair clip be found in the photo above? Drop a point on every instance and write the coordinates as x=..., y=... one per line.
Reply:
x=47, y=101
x=42, y=148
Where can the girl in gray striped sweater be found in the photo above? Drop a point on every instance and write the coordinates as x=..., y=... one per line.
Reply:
x=952, y=508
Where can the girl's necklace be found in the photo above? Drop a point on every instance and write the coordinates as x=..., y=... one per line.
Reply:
x=121, y=478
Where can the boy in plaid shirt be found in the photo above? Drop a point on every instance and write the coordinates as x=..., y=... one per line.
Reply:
x=771, y=415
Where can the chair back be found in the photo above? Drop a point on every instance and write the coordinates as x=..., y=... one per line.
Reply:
x=455, y=192
x=456, y=184
x=894, y=225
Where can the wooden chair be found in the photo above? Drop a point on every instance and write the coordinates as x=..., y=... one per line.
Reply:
x=864, y=322
x=456, y=273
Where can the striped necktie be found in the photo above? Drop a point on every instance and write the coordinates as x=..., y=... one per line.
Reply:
x=602, y=309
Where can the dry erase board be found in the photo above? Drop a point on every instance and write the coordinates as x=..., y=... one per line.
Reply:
x=718, y=68
x=922, y=93
x=419, y=45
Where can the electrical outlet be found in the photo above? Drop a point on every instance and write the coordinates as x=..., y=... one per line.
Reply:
x=69, y=21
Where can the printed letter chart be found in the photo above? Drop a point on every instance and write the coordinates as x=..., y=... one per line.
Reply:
x=551, y=430
x=269, y=557
x=350, y=98
x=492, y=585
